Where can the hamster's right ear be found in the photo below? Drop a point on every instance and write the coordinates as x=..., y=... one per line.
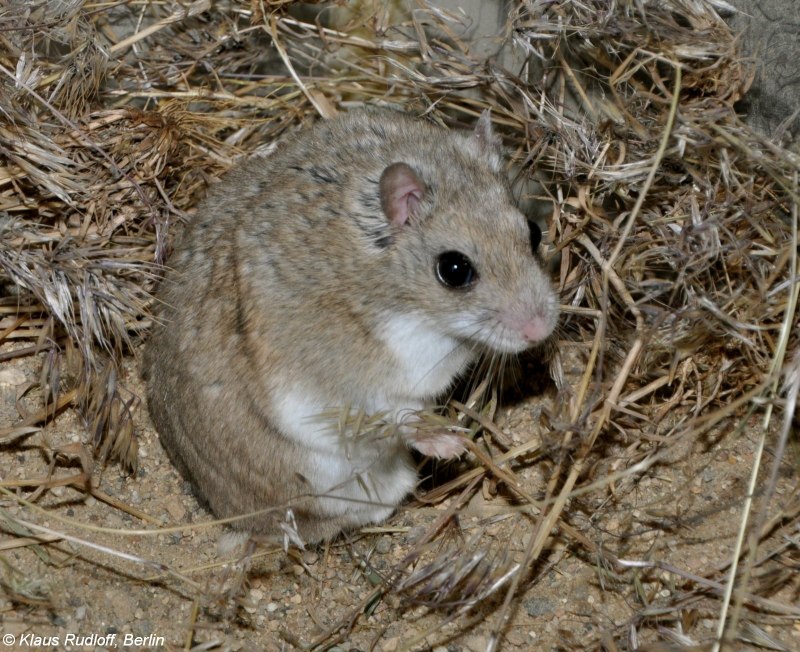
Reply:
x=489, y=144
x=401, y=192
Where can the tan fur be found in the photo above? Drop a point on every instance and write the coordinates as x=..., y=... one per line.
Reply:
x=284, y=279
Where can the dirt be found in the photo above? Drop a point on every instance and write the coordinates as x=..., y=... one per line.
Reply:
x=162, y=583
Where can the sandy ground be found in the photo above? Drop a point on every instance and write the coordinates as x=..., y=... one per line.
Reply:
x=170, y=587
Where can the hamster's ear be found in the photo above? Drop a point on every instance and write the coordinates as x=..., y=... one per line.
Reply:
x=489, y=143
x=401, y=192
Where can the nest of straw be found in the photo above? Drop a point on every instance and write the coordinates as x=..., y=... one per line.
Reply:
x=674, y=222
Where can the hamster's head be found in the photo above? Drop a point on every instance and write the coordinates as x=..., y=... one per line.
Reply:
x=462, y=253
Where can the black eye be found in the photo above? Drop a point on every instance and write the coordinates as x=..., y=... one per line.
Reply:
x=535, y=235
x=454, y=270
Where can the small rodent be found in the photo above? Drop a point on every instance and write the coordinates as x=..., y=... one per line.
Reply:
x=364, y=265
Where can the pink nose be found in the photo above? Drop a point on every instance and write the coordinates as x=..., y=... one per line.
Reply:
x=535, y=330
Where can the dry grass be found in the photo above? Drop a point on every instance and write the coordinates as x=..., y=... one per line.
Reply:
x=675, y=224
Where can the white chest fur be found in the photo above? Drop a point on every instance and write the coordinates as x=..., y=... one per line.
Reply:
x=427, y=361
x=359, y=478
x=364, y=479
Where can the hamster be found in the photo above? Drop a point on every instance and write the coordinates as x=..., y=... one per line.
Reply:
x=363, y=265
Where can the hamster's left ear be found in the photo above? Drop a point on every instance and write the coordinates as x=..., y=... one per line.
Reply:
x=489, y=143
x=401, y=193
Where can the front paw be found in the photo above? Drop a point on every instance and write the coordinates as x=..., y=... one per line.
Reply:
x=445, y=445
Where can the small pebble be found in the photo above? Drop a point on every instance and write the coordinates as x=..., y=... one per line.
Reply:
x=384, y=545
x=538, y=606
x=11, y=377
